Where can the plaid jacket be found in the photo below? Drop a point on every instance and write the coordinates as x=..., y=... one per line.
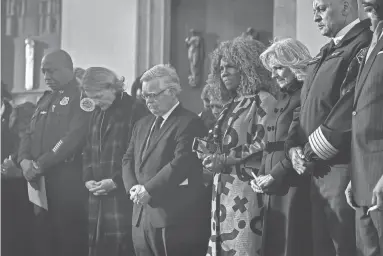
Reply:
x=110, y=214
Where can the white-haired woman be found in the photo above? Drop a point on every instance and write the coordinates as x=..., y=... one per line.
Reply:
x=109, y=133
x=287, y=222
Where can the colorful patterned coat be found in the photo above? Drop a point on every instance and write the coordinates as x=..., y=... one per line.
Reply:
x=110, y=215
x=237, y=212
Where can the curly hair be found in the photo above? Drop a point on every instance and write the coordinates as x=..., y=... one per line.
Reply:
x=289, y=53
x=244, y=53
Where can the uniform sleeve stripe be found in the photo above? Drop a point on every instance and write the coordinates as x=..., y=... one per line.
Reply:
x=321, y=146
x=57, y=146
x=314, y=145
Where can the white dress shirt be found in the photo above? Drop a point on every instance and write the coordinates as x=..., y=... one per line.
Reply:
x=339, y=36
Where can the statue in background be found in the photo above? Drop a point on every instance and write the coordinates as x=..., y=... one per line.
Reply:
x=196, y=56
x=250, y=32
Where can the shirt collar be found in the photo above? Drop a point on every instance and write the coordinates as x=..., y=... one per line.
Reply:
x=339, y=36
x=167, y=114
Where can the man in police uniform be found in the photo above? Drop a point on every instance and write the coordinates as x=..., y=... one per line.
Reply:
x=319, y=139
x=52, y=148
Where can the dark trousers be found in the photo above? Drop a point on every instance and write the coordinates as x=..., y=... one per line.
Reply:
x=62, y=230
x=16, y=219
x=369, y=232
x=332, y=218
x=175, y=240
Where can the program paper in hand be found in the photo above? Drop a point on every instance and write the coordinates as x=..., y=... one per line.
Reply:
x=38, y=194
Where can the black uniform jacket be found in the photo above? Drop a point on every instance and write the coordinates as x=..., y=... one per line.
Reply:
x=57, y=129
x=324, y=120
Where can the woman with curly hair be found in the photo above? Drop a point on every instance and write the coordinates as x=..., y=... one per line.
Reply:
x=287, y=225
x=238, y=140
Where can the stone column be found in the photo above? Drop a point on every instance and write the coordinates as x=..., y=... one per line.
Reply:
x=285, y=18
x=153, y=33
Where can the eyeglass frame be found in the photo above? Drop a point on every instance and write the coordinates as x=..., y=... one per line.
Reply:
x=146, y=96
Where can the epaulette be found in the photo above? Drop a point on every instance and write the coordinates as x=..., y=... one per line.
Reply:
x=361, y=55
x=46, y=93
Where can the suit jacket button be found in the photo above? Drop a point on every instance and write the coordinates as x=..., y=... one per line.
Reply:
x=354, y=113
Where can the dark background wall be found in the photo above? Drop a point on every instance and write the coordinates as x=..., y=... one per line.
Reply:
x=218, y=20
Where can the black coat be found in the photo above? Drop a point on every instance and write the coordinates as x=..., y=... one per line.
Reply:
x=367, y=127
x=287, y=215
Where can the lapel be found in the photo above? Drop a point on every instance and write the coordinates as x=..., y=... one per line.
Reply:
x=241, y=107
x=115, y=115
x=165, y=127
x=365, y=69
x=144, y=134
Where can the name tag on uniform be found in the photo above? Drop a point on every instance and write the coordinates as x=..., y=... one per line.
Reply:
x=43, y=112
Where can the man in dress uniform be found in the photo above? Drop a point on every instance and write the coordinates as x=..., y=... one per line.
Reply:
x=52, y=148
x=366, y=186
x=318, y=141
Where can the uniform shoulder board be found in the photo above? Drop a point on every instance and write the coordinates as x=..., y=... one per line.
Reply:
x=361, y=54
x=314, y=60
x=46, y=93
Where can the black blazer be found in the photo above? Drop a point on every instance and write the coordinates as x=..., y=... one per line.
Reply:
x=164, y=166
x=367, y=127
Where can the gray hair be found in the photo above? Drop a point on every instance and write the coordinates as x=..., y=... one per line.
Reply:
x=289, y=53
x=99, y=78
x=166, y=73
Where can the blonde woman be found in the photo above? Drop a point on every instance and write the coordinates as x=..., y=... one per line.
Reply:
x=109, y=133
x=287, y=225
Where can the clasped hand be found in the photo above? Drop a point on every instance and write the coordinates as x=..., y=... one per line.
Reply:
x=139, y=195
x=216, y=162
x=29, y=171
x=261, y=183
x=298, y=160
x=100, y=188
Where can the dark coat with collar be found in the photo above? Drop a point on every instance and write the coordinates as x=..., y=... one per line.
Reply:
x=109, y=133
x=167, y=162
x=327, y=96
x=287, y=202
x=367, y=127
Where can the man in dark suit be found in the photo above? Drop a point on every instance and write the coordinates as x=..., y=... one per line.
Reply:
x=163, y=175
x=366, y=187
x=315, y=142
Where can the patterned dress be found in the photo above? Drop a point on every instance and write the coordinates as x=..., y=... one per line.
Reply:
x=237, y=212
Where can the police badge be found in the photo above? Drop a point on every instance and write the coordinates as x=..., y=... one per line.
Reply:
x=64, y=101
x=87, y=104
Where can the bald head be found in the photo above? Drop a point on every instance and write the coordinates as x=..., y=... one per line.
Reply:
x=60, y=57
x=331, y=16
x=57, y=68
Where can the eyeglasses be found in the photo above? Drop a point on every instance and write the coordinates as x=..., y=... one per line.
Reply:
x=152, y=95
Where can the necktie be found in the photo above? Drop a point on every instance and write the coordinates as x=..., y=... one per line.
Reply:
x=375, y=38
x=154, y=132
